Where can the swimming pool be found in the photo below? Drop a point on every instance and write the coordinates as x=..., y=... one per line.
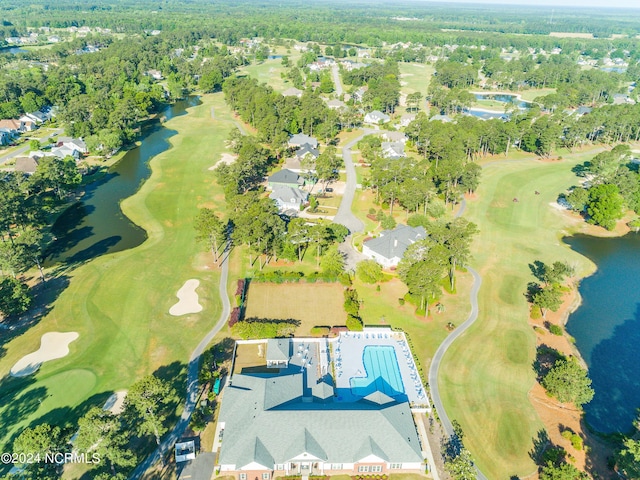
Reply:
x=382, y=372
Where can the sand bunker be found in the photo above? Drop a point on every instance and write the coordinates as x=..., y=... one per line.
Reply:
x=188, y=299
x=115, y=403
x=227, y=158
x=53, y=345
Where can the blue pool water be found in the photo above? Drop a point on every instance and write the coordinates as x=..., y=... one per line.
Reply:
x=382, y=373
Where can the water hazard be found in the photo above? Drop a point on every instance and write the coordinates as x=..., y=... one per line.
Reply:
x=96, y=225
x=607, y=329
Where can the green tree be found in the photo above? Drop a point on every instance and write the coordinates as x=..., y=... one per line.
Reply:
x=34, y=145
x=210, y=230
x=328, y=165
x=369, y=271
x=563, y=471
x=460, y=467
x=15, y=297
x=100, y=432
x=569, y=382
x=42, y=440
x=332, y=262
x=578, y=199
x=628, y=459
x=146, y=405
x=605, y=205
x=548, y=298
x=59, y=174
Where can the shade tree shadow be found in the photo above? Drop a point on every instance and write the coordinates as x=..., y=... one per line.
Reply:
x=538, y=269
x=546, y=357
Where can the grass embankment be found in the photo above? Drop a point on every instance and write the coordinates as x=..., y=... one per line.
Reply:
x=487, y=373
x=119, y=303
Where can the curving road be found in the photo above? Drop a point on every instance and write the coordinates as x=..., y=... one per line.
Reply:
x=345, y=216
x=192, y=378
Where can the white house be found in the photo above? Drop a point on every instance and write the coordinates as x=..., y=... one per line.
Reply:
x=376, y=117
x=288, y=198
x=389, y=247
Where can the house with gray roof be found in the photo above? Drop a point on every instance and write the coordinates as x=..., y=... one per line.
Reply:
x=394, y=136
x=300, y=139
x=376, y=117
x=285, y=178
x=292, y=92
x=288, y=198
x=74, y=143
x=393, y=150
x=389, y=247
x=306, y=150
x=278, y=352
x=276, y=425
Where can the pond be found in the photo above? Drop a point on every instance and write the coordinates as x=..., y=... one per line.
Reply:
x=606, y=328
x=96, y=225
x=504, y=98
x=13, y=50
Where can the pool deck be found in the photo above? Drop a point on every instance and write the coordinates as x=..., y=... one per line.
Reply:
x=347, y=355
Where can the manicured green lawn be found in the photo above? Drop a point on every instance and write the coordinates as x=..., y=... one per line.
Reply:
x=269, y=72
x=119, y=303
x=415, y=77
x=487, y=373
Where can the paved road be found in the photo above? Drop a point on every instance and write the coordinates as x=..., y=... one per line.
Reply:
x=25, y=148
x=192, y=378
x=336, y=80
x=345, y=216
x=437, y=359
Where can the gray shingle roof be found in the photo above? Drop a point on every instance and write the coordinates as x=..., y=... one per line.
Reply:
x=339, y=432
x=286, y=176
x=307, y=149
x=278, y=349
x=300, y=139
x=288, y=195
x=393, y=243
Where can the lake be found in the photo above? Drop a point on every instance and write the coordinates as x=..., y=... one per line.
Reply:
x=606, y=328
x=504, y=98
x=13, y=50
x=96, y=225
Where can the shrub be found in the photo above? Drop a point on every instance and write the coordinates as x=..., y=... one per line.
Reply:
x=372, y=211
x=263, y=328
x=555, y=329
x=319, y=331
x=351, y=303
x=234, y=317
x=401, y=301
x=576, y=441
x=536, y=313
x=369, y=271
x=240, y=286
x=354, y=323
x=388, y=223
x=345, y=279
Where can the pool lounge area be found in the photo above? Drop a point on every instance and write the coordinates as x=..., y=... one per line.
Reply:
x=376, y=359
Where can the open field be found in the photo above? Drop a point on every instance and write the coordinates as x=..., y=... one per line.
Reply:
x=311, y=303
x=269, y=72
x=119, y=304
x=487, y=373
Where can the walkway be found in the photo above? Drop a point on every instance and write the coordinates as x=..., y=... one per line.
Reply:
x=192, y=378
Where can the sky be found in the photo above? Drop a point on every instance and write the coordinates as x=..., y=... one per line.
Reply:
x=558, y=3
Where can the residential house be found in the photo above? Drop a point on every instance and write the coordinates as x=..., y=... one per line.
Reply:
x=307, y=150
x=155, y=74
x=285, y=178
x=376, y=117
x=300, y=139
x=6, y=137
x=622, y=98
x=27, y=165
x=289, y=423
x=15, y=126
x=394, y=136
x=393, y=150
x=292, y=92
x=74, y=143
x=406, y=119
x=28, y=123
x=64, y=151
x=288, y=198
x=358, y=95
x=336, y=104
x=441, y=118
x=389, y=247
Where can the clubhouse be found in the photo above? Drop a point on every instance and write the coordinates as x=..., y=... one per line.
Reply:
x=317, y=406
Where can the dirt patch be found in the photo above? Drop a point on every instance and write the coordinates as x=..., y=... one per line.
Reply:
x=227, y=159
x=558, y=417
